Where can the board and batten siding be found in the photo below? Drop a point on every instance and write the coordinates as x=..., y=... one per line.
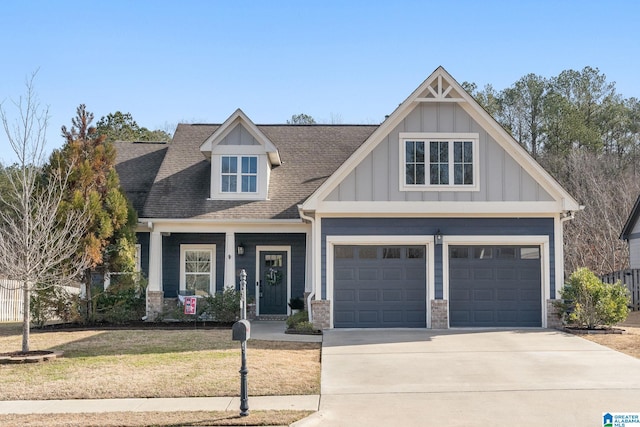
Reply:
x=247, y=261
x=430, y=226
x=376, y=177
x=634, y=251
x=239, y=136
x=634, y=246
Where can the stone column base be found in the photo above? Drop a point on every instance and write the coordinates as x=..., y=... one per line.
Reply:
x=321, y=312
x=439, y=314
x=554, y=319
x=155, y=302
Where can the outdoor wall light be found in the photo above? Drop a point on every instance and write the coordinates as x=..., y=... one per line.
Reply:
x=240, y=249
x=438, y=237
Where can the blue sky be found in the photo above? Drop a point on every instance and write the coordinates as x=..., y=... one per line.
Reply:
x=167, y=62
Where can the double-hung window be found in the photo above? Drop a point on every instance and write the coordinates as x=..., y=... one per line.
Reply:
x=197, y=267
x=239, y=174
x=439, y=161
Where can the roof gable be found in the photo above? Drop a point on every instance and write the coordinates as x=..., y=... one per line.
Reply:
x=310, y=153
x=442, y=89
x=627, y=230
x=238, y=122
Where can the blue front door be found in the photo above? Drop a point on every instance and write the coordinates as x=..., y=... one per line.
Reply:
x=273, y=282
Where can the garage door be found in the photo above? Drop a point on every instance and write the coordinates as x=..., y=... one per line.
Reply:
x=495, y=286
x=379, y=287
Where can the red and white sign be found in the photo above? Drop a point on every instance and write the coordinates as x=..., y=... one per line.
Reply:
x=190, y=305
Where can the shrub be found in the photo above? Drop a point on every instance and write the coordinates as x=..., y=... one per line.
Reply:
x=589, y=303
x=52, y=302
x=223, y=306
x=296, y=319
x=123, y=301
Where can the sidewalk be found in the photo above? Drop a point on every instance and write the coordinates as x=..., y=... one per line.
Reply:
x=258, y=403
x=260, y=330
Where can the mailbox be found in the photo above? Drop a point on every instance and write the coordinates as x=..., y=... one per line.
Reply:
x=240, y=331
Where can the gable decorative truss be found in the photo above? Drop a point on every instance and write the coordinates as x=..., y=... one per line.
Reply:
x=239, y=118
x=440, y=90
x=440, y=86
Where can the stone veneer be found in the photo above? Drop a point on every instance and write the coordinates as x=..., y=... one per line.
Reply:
x=155, y=303
x=439, y=314
x=320, y=310
x=554, y=321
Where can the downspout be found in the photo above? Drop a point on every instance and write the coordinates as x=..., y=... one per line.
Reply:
x=310, y=246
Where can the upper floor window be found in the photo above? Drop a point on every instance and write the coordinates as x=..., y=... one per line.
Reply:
x=239, y=174
x=439, y=161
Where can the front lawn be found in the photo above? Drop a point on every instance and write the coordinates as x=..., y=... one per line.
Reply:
x=104, y=364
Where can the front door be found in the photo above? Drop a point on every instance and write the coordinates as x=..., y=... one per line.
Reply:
x=272, y=282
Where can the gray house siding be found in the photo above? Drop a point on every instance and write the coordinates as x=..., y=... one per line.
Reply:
x=501, y=177
x=248, y=260
x=239, y=136
x=171, y=259
x=429, y=226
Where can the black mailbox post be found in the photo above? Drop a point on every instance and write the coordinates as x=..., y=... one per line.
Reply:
x=241, y=331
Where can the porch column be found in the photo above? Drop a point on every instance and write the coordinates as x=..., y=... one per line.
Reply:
x=155, y=293
x=230, y=261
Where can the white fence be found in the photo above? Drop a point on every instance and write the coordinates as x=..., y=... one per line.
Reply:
x=11, y=300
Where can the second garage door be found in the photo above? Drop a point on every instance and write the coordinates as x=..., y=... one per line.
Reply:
x=495, y=286
x=379, y=287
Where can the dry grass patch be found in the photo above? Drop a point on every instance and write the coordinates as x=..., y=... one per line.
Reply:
x=628, y=343
x=156, y=363
x=138, y=419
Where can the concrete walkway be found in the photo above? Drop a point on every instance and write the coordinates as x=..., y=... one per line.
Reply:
x=260, y=330
x=471, y=378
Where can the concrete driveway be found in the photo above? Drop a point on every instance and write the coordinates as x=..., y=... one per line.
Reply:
x=471, y=378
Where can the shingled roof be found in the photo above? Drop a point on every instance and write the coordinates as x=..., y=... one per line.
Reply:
x=137, y=164
x=309, y=153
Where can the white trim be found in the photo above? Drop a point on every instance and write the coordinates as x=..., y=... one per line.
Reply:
x=426, y=241
x=155, y=262
x=432, y=208
x=558, y=234
x=545, y=268
x=199, y=226
x=212, y=273
x=279, y=248
x=448, y=137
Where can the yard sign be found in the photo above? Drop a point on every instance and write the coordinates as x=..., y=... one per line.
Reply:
x=190, y=305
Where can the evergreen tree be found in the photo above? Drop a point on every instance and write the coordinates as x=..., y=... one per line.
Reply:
x=94, y=184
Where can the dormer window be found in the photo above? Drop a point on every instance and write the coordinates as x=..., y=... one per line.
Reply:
x=242, y=158
x=246, y=175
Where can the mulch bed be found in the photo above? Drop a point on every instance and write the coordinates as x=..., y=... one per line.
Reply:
x=35, y=356
x=601, y=331
x=133, y=325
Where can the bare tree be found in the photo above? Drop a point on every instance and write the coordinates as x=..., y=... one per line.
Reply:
x=608, y=192
x=39, y=240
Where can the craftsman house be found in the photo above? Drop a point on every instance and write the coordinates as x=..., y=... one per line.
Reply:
x=435, y=218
